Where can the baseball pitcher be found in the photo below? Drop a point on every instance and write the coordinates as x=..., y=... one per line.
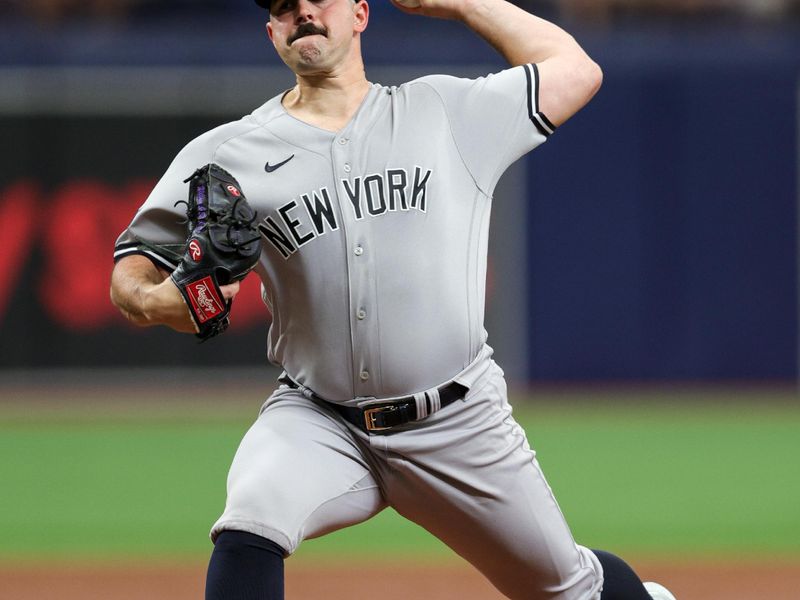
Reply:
x=364, y=209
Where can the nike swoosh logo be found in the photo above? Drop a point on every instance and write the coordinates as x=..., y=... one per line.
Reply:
x=270, y=168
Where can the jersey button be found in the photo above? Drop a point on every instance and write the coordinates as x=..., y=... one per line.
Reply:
x=364, y=375
x=358, y=251
x=342, y=141
x=361, y=314
x=347, y=167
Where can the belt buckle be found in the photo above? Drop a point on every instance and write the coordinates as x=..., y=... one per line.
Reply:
x=369, y=417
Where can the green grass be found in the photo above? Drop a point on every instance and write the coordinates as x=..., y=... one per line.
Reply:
x=100, y=489
x=667, y=479
x=678, y=479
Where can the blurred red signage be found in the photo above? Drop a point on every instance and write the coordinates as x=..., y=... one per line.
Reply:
x=74, y=227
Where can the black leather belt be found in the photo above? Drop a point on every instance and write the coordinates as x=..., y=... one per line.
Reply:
x=382, y=416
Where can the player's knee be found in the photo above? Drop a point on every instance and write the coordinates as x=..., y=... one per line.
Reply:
x=582, y=581
x=245, y=566
x=582, y=584
x=242, y=543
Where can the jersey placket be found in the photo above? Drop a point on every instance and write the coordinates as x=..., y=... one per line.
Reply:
x=361, y=273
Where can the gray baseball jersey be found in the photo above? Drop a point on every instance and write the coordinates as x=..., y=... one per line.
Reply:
x=375, y=237
x=374, y=263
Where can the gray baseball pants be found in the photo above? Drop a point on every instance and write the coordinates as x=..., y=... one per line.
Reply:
x=465, y=473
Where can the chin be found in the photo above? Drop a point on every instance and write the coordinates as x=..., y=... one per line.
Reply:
x=305, y=51
x=310, y=55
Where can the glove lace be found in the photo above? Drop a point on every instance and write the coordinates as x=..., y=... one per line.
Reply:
x=235, y=223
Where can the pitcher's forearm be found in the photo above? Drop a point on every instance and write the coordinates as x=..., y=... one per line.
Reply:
x=145, y=296
x=517, y=35
x=131, y=281
x=568, y=77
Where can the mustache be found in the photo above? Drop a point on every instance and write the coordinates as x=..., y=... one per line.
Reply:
x=307, y=29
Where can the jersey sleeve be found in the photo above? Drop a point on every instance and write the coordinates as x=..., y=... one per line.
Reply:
x=158, y=229
x=494, y=119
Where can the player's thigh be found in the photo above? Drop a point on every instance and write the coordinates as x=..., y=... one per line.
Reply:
x=297, y=474
x=476, y=484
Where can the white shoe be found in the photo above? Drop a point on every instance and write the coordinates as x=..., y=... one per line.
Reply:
x=657, y=591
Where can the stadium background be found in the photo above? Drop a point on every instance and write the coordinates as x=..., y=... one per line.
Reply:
x=642, y=299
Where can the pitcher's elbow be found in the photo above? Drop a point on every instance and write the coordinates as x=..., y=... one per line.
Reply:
x=124, y=306
x=592, y=77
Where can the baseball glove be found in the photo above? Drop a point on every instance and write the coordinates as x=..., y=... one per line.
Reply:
x=223, y=246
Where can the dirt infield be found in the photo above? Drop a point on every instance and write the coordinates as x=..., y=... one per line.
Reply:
x=305, y=581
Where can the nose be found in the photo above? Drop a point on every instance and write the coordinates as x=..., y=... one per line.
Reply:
x=303, y=11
